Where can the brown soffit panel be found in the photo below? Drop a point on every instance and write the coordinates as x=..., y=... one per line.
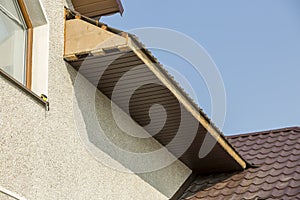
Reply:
x=104, y=65
x=98, y=8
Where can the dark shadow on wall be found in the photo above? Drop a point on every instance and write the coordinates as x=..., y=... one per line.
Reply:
x=96, y=111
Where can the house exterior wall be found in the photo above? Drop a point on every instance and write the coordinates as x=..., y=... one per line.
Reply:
x=41, y=153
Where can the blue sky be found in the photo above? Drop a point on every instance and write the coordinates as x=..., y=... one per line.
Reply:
x=255, y=45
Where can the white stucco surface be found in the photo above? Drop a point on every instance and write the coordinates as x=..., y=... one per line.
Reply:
x=41, y=153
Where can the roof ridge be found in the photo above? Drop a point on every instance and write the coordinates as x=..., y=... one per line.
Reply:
x=292, y=128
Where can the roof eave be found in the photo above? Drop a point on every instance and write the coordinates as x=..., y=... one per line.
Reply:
x=189, y=104
x=165, y=78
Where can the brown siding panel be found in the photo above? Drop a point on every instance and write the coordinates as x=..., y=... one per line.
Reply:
x=97, y=8
x=143, y=98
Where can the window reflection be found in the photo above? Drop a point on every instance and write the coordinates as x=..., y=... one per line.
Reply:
x=12, y=40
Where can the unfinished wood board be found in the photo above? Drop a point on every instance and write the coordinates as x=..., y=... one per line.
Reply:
x=82, y=36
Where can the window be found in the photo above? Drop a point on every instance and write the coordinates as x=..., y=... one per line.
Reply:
x=14, y=41
x=24, y=45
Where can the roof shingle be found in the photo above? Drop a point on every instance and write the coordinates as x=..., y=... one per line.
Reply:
x=276, y=155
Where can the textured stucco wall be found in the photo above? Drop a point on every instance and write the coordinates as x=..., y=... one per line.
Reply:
x=41, y=154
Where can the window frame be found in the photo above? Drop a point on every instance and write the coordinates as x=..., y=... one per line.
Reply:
x=29, y=44
x=28, y=30
x=28, y=85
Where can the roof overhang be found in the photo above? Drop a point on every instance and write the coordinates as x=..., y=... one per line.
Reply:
x=103, y=55
x=98, y=8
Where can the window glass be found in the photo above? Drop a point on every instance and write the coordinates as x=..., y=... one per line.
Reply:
x=12, y=40
x=12, y=7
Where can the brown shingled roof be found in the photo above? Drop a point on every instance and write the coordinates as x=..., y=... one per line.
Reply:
x=276, y=154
